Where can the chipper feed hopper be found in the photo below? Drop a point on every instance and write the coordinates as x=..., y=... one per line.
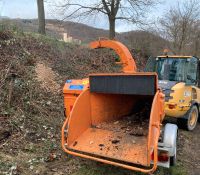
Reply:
x=116, y=120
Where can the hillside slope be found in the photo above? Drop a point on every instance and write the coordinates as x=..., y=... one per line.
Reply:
x=149, y=44
x=33, y=70
x=145, y=42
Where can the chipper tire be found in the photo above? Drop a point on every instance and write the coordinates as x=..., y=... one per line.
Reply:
x=173, y=158
x=170, y=138
x=189, y=122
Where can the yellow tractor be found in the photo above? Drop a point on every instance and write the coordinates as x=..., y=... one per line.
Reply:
x=179, y=79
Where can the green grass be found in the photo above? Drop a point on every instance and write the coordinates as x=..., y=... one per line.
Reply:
x=4, y=166
x=102, y=170
x=59, y=44
x=178, y=170
x=93, y=168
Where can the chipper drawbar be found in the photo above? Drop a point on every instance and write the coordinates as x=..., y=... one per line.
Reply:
x=116, y=120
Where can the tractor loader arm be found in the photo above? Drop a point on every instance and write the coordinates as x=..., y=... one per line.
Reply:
x=126, y=58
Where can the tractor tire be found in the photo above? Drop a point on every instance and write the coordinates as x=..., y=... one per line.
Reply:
x=190, y=121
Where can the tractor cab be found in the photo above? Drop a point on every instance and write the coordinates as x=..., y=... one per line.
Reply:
x=175, y=68
x=179, y=80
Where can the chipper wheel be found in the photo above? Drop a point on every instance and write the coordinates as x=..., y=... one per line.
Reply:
x=190, y=120
x=170, y=138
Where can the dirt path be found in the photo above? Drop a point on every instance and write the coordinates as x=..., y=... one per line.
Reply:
x=47, y=77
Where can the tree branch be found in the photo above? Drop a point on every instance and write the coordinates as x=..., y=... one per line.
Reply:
x=106, y=7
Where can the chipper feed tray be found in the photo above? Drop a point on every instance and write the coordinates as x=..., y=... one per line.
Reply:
x=116, y=120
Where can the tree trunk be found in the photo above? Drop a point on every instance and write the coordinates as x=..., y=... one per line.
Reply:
x=41, y=16
x=111, y=28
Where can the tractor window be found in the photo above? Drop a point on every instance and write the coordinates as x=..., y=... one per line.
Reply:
x=174, y=69
x=171, y=69
x=191, y=77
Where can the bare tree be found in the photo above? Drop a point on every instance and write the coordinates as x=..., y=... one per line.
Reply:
x=41, y=16
x=179, y=24
x=133, y=11
x=196, y=38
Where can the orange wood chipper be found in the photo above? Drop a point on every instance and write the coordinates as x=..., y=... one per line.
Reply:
x=116, y=118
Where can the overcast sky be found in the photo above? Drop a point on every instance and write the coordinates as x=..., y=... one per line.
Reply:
x=28, y=9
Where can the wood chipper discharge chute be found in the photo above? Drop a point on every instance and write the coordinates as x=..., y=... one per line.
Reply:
x=117, y=121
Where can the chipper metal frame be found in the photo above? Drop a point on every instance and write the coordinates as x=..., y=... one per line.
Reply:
x=107, y=97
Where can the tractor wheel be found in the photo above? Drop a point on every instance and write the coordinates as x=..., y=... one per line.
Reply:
x=190, y=122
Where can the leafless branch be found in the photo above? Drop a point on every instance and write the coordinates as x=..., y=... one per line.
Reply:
x=180, y=24
x=133, y=11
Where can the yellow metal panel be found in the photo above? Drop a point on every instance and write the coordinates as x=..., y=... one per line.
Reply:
x=181, y=99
